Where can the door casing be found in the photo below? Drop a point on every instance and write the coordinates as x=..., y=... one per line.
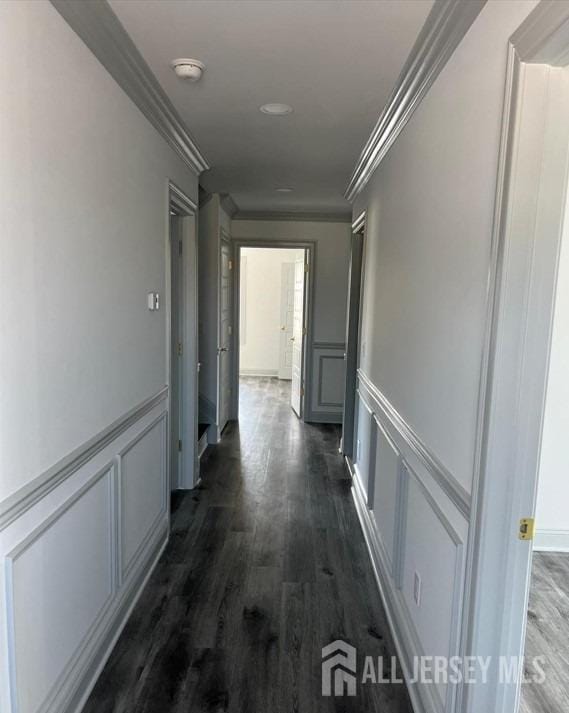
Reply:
x=529, y=210
x=352, y=334
x=186, y=210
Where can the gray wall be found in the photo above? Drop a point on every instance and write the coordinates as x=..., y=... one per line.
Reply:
x=331, y=284
x=427, y=257
x=84, y=229
x=83, y=178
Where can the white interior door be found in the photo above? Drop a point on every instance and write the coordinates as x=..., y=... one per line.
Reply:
x=184, y=466
x=177, y=277
x=297, y=388
x=287, y=320
x=225, y=329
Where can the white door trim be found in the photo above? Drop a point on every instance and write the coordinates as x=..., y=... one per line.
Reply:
x=186, y=208
x=530, y=202
x=310, y=247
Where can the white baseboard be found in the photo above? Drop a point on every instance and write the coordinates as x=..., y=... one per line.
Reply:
x=202, y=444
x=551, y=541
x=259, y=372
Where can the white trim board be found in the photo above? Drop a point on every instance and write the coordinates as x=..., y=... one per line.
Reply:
x=551, y=541
x=260, y=372
x=100, y=29
x=444, y=28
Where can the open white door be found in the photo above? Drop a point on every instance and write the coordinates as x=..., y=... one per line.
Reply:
x=225, y=330
x=183, y=376
x=287, y=320
x=297, y=390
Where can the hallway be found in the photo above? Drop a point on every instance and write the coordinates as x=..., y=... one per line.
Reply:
x=266, y=564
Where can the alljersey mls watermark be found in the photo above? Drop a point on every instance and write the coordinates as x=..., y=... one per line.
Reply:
x=341, y=672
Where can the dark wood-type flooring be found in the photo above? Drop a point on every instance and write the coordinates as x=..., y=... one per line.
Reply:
x=266, y=564
x=548, y=635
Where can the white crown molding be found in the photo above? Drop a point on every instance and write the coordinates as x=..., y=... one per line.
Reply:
x=100, y=29
x=292, y=216
x=444, y=28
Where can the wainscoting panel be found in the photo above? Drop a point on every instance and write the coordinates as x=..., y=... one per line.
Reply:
x=363, y=443
x=386, y=473
x=143, y=491
x=73, y=549
x=327, y=393
x=64, y=544
x=415, y=522
x=433, y=552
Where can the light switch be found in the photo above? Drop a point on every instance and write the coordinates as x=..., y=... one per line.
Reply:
x=153, y=301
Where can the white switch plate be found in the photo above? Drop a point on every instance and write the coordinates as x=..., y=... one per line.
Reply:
x=417, y=585
x=153, y=301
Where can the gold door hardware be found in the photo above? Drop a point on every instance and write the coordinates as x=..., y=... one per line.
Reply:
x=527, y=528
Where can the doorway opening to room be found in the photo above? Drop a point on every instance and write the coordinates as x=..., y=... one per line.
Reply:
x=272, y=304
x=518, y=583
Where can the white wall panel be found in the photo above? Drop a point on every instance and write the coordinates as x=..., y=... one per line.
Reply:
x=385, y=472
x=142, y=475
x=60, y=581
x=433, y=551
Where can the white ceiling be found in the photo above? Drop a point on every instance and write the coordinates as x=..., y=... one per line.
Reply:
x=334, y=61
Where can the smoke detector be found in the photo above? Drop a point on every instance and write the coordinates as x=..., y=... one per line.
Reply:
x=189, y=69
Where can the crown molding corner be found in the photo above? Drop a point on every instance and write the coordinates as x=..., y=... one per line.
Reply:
x=101, y=30
x=446, y=25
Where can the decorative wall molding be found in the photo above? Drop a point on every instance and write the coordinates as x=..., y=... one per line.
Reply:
x=23, y=499
x=329, y=345
x=446, y=480
x=389, y=572
x=445, y=27
x=291, y=216
x=84, y=519
x=100, y=29
x=321, y=403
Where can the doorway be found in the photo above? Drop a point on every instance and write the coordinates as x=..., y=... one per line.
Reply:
x=182, y=341
x=530, y=227
x=272, y=308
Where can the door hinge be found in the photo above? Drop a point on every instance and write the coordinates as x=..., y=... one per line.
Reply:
x=179, y=247
x=231, y=264
x=302, y=390
x=306, y=267
x=180, y=349
x=304, y=331
x=527, y=528
x=179, y=445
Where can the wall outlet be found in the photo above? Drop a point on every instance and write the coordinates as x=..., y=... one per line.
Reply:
x=417, y=585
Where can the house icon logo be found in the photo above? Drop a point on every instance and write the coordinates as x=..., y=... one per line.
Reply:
x=339, y=663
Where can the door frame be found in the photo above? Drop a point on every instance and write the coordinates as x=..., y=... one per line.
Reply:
x=224, y=237
x=309, y=291
x=529, y=209
x=187, y=210
x=353, y=316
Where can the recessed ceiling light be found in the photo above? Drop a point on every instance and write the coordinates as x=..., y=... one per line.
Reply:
x=276, y=109
x=283, y=190
x=188, y=69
